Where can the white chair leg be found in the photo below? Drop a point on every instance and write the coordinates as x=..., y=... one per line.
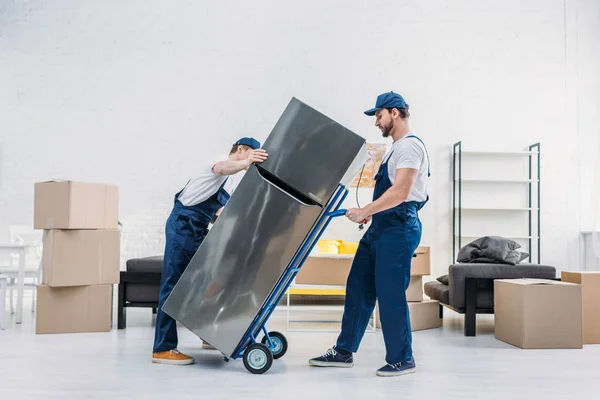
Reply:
x=12, y=304
x=33, y=292
x=2, y=303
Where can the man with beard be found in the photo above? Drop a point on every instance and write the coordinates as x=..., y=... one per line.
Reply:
x=381, y=267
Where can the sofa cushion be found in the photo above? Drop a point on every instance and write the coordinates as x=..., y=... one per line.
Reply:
x=438, y=291
x=443, y=279
x=142, y=292
x=145, y=264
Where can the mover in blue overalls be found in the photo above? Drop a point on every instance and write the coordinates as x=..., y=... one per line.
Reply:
x=194, y=209
x=381, y=267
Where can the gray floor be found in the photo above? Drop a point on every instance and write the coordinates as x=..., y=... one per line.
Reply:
x=117, y=365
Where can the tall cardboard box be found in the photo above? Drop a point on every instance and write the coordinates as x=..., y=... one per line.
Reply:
x=423, y=315
x=75, y=205
x=590, y=287
x=538, y=313
x=73, y=309
x=80, y=257
x=421, y=263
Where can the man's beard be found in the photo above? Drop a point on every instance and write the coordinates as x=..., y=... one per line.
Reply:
x=385, y=132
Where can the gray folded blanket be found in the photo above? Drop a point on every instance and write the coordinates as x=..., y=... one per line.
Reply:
x=492, y=250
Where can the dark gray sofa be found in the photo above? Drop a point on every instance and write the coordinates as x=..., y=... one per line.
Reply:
x=470, y=288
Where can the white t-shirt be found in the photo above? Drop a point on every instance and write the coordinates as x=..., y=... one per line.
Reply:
x=206, y=183
x=410, y=153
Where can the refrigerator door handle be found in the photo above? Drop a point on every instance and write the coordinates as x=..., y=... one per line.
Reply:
x=286, y=189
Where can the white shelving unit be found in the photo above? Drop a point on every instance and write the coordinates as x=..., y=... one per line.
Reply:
x=530, y=182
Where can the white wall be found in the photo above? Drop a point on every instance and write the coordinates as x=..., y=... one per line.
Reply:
x=587, y=67
x=136, y=92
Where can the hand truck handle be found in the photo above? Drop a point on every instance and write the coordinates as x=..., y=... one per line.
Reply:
x=336, y=213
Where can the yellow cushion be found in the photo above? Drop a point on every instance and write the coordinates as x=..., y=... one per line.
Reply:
x=328, y=246
x=348, y=247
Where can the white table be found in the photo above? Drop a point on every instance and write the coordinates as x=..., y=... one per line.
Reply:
x=21, y=250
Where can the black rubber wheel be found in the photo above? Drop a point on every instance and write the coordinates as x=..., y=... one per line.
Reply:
x=258, y=358
x=280, y=344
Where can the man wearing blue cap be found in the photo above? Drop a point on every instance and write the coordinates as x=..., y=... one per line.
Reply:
x=194, y=209
x=381, y=267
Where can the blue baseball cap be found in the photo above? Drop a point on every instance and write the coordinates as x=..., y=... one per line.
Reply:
x=387, y=100
x=248, y=141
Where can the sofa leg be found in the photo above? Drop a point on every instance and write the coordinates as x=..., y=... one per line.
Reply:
x=122, y=310
x=470, y=306
x=441, y=311
x=154, y=310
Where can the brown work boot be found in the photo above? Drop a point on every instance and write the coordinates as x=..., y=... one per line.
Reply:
x=173, y=357
x=207, y=346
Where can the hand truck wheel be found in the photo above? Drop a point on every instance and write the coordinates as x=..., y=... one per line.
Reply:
x=258, y=358
x=279, y=344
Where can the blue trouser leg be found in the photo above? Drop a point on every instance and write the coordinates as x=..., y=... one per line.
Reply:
x=178, y=254
x=381, y=269
x=392, y=276
x=360, y=297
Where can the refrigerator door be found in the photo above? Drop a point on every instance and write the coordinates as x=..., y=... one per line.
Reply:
x=240, y=261
x=306, y=140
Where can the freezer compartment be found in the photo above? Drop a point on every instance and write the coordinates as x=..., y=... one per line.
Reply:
x=240, y=261
x=309, y=151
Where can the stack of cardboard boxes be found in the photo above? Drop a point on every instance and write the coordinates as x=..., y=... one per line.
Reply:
x=80, y=261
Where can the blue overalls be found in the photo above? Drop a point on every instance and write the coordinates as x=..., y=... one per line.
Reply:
x=381, y=270
x=185, y=230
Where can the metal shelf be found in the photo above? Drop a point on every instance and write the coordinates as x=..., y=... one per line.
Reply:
x=499, y=153
x=497, y=209
x=506, y=236
x=498, y=180
x=532, y=209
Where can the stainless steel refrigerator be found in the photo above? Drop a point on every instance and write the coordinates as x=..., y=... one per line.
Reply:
x=267, y=219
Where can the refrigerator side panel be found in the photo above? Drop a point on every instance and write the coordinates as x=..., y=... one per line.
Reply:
x=239, y=262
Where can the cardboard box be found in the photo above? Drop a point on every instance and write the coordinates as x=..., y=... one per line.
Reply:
x=423, y=315
x=325, y=269
x=538, y=313
x=73, y=309
x=333, y=269
x=80, y=257
x=75, y=205
x=415, y=289
x=421, y=264
x=590, y=288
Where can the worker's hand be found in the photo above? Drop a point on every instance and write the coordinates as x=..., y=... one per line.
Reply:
x=257, y=156
x=358, y=215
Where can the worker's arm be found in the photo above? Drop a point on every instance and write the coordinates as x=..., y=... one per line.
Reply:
x=231, y=167
x=395, y=195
